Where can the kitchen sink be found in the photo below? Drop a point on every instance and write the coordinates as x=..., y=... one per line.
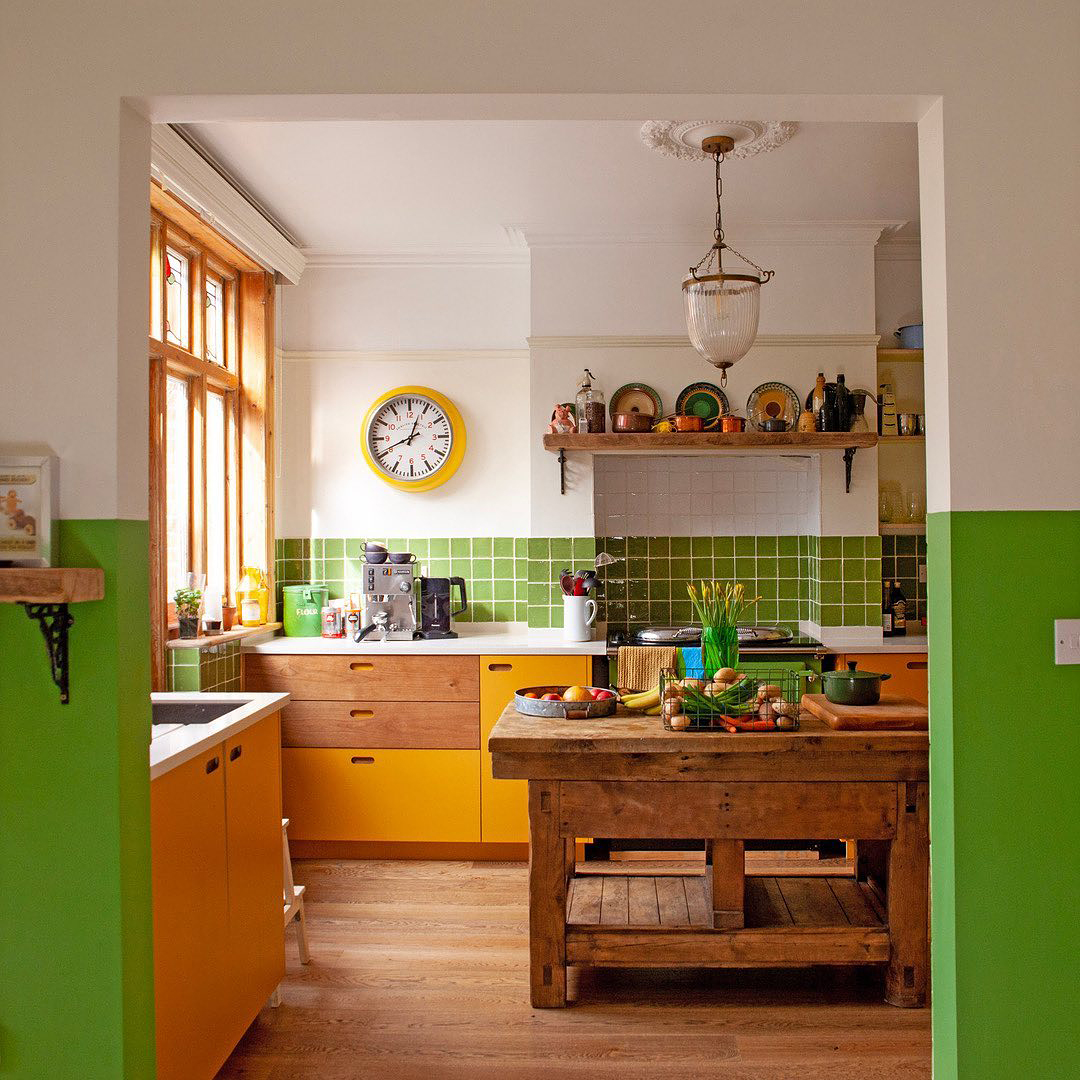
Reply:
x=191, y=712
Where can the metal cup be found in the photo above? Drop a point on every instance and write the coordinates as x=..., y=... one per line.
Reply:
x=907, y=423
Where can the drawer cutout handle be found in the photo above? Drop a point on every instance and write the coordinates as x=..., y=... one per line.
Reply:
x=361, y=667
x=235, y=752
x=916, y=665
x=212, y=764
x=500, y=667
x=363, y=761
x=362, y=713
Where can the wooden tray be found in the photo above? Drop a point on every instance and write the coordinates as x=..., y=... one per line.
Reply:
x=890, y=714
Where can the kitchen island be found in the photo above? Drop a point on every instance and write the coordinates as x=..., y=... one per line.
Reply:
x=627, y=776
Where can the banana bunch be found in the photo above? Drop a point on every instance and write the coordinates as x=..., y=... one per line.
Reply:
x=647, y=701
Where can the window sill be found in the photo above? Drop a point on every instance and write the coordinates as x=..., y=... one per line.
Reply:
x=223, y=638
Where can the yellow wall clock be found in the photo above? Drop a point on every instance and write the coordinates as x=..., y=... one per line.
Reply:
x=414, y=438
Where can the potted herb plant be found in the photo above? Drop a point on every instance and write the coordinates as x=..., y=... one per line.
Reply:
x=720, y=608
x=188, y=602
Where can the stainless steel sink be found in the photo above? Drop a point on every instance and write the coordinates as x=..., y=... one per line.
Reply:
x=190, y=712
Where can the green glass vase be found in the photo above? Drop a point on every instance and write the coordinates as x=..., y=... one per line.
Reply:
x=719, y=648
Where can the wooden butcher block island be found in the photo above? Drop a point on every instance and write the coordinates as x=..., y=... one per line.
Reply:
x=626, y=776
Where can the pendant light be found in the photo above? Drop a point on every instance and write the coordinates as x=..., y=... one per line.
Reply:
x=721, y=307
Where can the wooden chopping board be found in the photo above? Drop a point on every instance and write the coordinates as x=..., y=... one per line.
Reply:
x=890, y=714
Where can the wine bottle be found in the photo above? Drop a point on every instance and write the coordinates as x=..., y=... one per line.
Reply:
x=844, y=407
x=898, y=606
x=886, y=610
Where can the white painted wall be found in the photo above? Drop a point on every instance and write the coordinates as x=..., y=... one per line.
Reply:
x=407, y=307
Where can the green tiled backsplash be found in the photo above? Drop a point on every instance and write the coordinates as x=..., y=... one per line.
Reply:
x=831, y=580
x=217, y=667
x=901, y=557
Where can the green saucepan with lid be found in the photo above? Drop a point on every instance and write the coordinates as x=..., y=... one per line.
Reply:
x=852, y=687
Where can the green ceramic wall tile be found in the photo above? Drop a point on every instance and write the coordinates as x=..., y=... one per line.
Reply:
x=482, y=546
x=701, y=569
x=659, y=547
x=829, y=570
x=584, y=548
x=503, y=547
x=724, y=568
x=766, y=545
x=723, y=547
x=503, y=569
x=745, y=545
x=637, y=546
x=680, y=545
x=830, y=547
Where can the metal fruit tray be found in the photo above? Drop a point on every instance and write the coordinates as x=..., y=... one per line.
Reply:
x=577, y=710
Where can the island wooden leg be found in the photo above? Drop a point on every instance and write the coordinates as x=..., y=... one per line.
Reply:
x=551, y=863
x=907, y=899
x=725, y=882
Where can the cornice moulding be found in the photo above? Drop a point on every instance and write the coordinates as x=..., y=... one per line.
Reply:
x=762, y=232
x=899, y=249
x=398, y=356
x=417, y=258
x=663, y=341
x=180, y=170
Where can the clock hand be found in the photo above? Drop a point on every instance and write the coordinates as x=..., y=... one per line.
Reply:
x=408, y=438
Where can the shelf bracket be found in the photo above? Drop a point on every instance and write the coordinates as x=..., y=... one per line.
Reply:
x=849, y=457
x=562, y=472
x=55, y=620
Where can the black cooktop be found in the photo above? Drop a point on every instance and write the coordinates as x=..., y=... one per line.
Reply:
x=691, y=638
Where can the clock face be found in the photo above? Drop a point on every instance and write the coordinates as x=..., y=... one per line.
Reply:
x=410, y=438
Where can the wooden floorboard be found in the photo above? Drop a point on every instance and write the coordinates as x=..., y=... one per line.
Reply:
x=419, y=971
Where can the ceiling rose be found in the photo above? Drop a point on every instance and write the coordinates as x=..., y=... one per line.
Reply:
x=682, y=138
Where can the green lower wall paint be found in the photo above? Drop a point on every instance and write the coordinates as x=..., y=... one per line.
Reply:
x=76, y=989
x=1005, y=795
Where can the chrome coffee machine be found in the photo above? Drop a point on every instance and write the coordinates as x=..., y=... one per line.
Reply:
x=389, y=600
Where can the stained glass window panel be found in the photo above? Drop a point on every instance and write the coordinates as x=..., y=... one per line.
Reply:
x=215, y=320
x=177, y=460
x=215, y=491
x=177, y=292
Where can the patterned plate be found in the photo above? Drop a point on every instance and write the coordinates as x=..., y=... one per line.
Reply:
x=773, y=399
x=703, y=399
x=636, y=397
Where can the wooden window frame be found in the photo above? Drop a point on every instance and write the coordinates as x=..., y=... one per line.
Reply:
x=245, y=382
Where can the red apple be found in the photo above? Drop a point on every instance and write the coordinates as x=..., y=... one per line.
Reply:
x=530, y=694
x=603, y=695
x=552, y=697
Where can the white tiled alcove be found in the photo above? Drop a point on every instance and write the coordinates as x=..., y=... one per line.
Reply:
x=706, y=496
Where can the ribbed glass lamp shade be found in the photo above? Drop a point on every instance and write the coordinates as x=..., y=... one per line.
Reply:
x=722, y=317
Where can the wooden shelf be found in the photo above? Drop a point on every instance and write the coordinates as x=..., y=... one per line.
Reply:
x=238, y=633
x=710, y=441
x=51, y=584
x=898, y=529
x=915, y=440
x=900, y=356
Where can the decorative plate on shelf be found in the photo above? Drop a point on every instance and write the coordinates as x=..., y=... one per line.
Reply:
x=775, y=400
x=636, y=397
x=703, y=399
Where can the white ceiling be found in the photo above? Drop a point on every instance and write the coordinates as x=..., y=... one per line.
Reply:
x=348, y=187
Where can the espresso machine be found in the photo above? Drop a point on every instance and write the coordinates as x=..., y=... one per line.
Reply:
x=389, y=601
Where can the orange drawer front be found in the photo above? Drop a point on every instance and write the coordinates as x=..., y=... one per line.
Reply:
x=376, y=794
x=365, y=678
x=443, y=725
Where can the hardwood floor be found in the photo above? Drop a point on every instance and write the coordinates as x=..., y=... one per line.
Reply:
x=420, y=970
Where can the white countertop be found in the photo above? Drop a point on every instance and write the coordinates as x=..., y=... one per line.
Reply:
x=510, y=639
x=909, y=643
x=173, y=744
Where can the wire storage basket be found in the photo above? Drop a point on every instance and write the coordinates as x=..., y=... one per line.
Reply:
x=762, y=699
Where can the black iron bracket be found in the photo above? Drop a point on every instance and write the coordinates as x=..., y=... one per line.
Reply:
x=849, y=457
x=562, y=472
x=55, y=620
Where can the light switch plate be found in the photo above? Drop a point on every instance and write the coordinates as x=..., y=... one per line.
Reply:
x=922, y=573
x=1067, y=641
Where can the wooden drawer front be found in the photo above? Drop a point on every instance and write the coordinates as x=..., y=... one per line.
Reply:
x=908, y=672
x=375, y=794
x=506, y=802
x=441, y=725
x=365, y=678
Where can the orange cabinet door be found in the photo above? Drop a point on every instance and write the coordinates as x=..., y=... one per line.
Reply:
x=195, y=1030
x=908, y=672
x=505, y=803
x=253, y=827
x=358, y=794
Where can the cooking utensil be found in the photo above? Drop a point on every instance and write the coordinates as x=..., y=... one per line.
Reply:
x=566, y=581
x=773, y=424
x=588, y=581
x=896, y=714
x=691, y=635
x=635, y=397
x=703, y=399
x=574, y=710
x=852, y=687
x=911, y=336
x=774, y=400
x=631, y=422
x=732, y=424
x=605, y=559
x=689, y=423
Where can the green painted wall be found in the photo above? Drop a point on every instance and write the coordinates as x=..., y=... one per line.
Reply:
x=76, y=989
x=1005, y=795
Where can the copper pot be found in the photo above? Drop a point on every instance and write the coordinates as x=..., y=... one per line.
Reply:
x=631, y=422
x=729, y=424
x=689, y=423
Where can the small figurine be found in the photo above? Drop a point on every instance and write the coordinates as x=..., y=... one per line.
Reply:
x=562, y=421
x=806, y=421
